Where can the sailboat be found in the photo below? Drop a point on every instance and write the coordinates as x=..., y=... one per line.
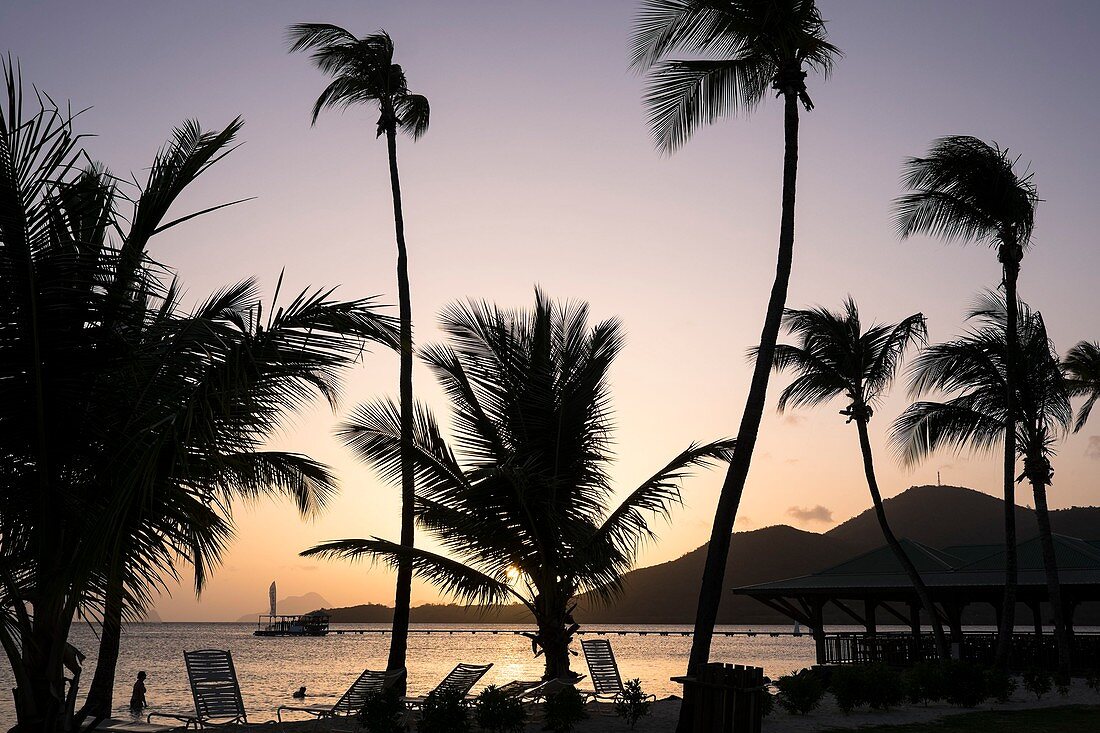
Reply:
x=272, y=624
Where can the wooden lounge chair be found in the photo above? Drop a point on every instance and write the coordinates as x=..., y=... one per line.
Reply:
x=215, y=689
x=369, y=683
x=461, y=679
x=606, y=682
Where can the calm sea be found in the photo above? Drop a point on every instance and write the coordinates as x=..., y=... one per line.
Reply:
x=270, y=669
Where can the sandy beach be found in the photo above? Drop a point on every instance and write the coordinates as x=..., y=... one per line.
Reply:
x=827, y=716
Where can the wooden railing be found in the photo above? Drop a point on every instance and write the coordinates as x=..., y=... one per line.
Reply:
x=901, y=649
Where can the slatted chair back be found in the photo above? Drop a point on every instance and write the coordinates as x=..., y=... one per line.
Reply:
x=462, y=678
x=370, y=683
x=214, y=685
x=602, y=666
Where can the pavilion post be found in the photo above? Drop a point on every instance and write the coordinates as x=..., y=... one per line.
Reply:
x=1037, y=617
x=869, y=620
x=817, y=616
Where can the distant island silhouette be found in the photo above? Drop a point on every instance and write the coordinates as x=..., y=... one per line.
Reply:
x=938, y=516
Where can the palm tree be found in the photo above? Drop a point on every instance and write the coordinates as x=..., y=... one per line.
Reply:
x=1082, y=370
x=363, y=72
x=127, y=425
x=836, y=357
x=967, y=189
x=207, y=390
x=972, y=371
x=759, y=45
x=522, y=502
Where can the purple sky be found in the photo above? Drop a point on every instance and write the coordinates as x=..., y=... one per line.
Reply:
x=538, y=168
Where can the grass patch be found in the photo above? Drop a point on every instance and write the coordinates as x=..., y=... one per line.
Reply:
x=1070, y=719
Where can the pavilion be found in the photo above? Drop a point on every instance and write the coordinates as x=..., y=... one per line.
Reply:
x=872, y=587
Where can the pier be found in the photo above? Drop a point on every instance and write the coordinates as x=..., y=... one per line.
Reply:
x=582, y=632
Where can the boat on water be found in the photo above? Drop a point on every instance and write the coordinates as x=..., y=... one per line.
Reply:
x=306, y=624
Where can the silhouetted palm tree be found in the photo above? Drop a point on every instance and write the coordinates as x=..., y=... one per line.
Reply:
x=755, y=46
x=524, y=506
x=363, y=72
x=967, y=189
x=126, y=425
x=972, y=371
x=836, y=357
x=1082, y=369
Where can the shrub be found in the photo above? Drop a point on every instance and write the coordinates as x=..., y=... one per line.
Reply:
x=1000, y=684
x=767, y=699
x=883, y=686
x=799, y=692
x=966, y=684
x=846, y=684
x=383, y=712
x=632, y=705
x=926, y=682
x=564, y=710
x=1038, y=682
x=444, y=711
x=499, y=712
x=1062, y=683
x=1092, y=679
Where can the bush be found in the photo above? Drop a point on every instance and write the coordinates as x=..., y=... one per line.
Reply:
x=767, y=699
x=564, y=710
x=1000, y=684
x=498, y=712
x=444, y=711
x=633, y=704
x=846, y=684
x=383, y=712
x=966, y=684
x=1038, y=682
x=926, y=682
x=876, y=685
x=799, y=692
x=1063, y=683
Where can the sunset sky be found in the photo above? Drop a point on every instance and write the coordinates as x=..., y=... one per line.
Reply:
x=538, y=168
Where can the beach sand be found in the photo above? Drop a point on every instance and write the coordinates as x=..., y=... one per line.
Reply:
x=662, y=717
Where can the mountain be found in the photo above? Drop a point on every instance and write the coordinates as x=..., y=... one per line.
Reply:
x=666, y=593
x=290, y=606
x=938, y=516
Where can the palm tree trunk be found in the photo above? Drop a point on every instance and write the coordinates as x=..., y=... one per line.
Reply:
x=1054, y=587
x=100, y=698
x=1008, y=607
x=895, y=546
x=399, y=640
x=714, y=571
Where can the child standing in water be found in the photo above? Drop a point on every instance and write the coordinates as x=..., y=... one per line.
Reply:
x=137, y=699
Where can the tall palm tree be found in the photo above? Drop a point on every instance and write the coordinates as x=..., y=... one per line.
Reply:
x=972, y=371
x=522, y=503
x=742, y=49
x=837, y=357
x=969, y=190
x=363, y=72
x=127, y=425
x=1082, y=370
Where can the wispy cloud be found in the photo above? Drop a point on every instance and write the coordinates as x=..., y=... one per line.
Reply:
x=1093, y=449
x=811, y=514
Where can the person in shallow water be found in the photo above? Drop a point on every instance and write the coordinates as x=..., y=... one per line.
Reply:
x=301, y=693
x=137, y=698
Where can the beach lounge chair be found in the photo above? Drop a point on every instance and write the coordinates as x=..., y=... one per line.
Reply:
x=606, y=682
x=369, y=683
x=461, y=679
x=215, y=690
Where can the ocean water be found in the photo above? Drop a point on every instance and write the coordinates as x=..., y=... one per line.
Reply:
x=271, y=668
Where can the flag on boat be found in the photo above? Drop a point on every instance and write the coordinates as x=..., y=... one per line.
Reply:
x=271, y=597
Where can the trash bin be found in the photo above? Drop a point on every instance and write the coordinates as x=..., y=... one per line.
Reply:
x=725, y=698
